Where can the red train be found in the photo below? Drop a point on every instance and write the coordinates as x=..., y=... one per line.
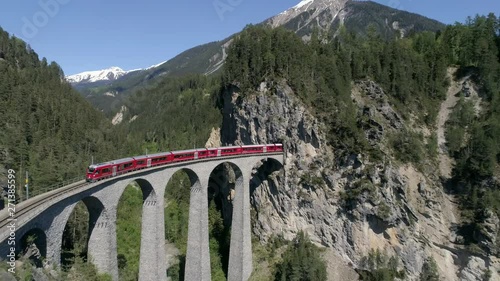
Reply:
x=117, y=167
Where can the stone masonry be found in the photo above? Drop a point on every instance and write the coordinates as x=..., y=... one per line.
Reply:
x=102, y=198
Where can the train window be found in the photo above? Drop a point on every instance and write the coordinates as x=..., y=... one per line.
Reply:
x=91, y=169
x=159, y=159
x=105, y=170
x=182, y=155
x=140, y=162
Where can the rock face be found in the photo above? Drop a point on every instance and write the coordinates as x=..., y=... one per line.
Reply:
x=488, y=236
x=313, y=8
x=397, y=209
x=118, y=118
x=214, y=139
x=377, y=95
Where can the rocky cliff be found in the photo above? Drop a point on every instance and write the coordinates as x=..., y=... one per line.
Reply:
x=349, y=204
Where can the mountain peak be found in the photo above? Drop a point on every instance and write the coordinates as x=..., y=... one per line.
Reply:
x=115, y=68
x=110, y=74
x=302, y=3
x=312, y=6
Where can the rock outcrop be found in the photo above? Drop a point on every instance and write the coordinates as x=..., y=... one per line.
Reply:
x=214, y=139
x=346, y=203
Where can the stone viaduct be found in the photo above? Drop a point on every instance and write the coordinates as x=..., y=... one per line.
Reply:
x=47, y=215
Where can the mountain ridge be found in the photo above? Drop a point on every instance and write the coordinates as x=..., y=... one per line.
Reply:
x=317, y=6
x=111, y=73
x=303, y=19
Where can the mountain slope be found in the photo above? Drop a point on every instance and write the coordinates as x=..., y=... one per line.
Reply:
x=362, y=156
x=358, y=15
x=108, y=96
x=307, y=11
x=305, y=17
x=46, y=127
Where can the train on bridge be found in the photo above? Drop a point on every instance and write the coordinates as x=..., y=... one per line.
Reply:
x=117, y=167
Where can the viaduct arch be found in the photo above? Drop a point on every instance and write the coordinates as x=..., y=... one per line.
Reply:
x=48, y=214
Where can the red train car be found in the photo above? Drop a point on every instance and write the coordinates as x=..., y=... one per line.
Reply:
x=160, y=158
x=205, y=153
x=274, y=147
x=98, y=171
x=142, y=162
x=184, y=155
x=249, y=149
x=110, y=169
x=230, y=150
x=117, y=167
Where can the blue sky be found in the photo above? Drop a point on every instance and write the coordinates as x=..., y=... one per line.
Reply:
x=96, y=34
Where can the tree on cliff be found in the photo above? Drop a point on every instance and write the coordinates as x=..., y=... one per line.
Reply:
x=301, y=261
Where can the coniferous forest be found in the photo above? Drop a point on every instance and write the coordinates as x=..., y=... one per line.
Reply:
x=48, y=129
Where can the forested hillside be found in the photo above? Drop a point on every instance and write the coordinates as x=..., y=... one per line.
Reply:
x=46, y=127
x=413, y=73
x=475, y=47
x=412, y=70
x=207, y=59
x=178, y=113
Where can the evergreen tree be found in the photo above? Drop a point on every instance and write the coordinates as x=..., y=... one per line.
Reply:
x=301, y=262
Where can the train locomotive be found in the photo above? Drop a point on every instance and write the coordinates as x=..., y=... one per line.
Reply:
x=113, y=168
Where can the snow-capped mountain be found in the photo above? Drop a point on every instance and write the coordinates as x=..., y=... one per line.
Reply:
x=110, y=74
x=303, y=19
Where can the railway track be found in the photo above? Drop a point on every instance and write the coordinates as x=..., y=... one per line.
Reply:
x=23, y=209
